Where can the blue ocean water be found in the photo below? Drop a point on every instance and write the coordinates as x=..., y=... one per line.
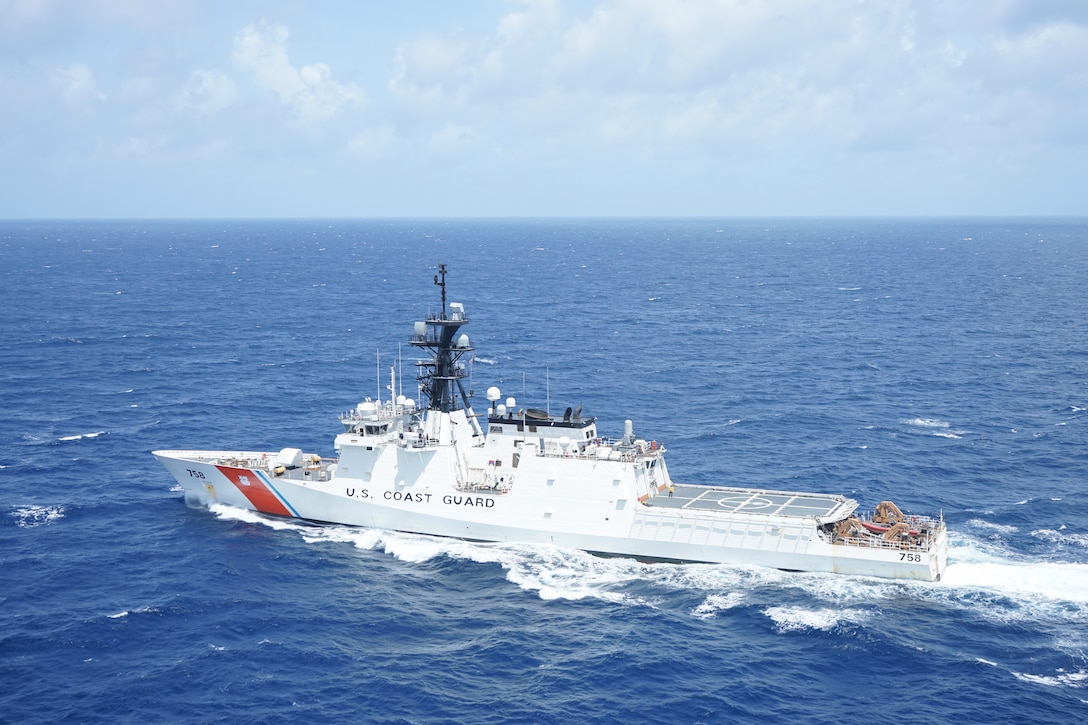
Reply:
x=939, y=363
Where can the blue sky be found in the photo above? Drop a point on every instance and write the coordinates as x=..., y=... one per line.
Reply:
x=194, y=108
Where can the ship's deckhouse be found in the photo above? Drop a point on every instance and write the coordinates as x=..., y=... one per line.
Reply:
x=538, y=424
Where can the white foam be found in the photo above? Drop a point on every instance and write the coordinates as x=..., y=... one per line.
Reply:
x=926, y=423
x=790, y=619
x=1036, y=588
x=1056, y=581
x=233, y=513
x=936, y=427
x=1028, y=580
x=717, y=603
x=989, y=525
x=1061, y=679
x=124, y=612
x=82, y=436
x=552, y=572
x=1059, y=537
x=555, y=573
x=29, y=516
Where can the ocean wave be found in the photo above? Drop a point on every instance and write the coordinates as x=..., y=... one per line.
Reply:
x=139, y=610
x=715, y=603
x=81, y=436
x=926, y=423
x=1061, y=679
x=935, y=427
x=792, y=619
x=990, y=526
x=30, y=516
x=1062, y=537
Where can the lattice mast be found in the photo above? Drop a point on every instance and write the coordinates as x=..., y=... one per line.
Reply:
x=440, y=378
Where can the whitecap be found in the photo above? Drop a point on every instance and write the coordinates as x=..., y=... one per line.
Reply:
x=990, y=526
x=82, y=436
x=715, y=603
x=934, y=426
x=926, y=423
x=1058, y=537
x=29, y=516
x=791, y=619
x=1061, y=679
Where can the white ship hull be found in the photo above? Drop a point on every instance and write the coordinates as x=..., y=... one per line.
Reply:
x=563, y=511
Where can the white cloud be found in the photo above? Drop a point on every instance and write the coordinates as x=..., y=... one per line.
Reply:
x=514, y=61
x=142, y=146
x=452, y=136
x=679, y=99
x=310, y=90
x=76, y=85
x=847, y=72
x=372, y=142
x=207, y=92
x=18, y=13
